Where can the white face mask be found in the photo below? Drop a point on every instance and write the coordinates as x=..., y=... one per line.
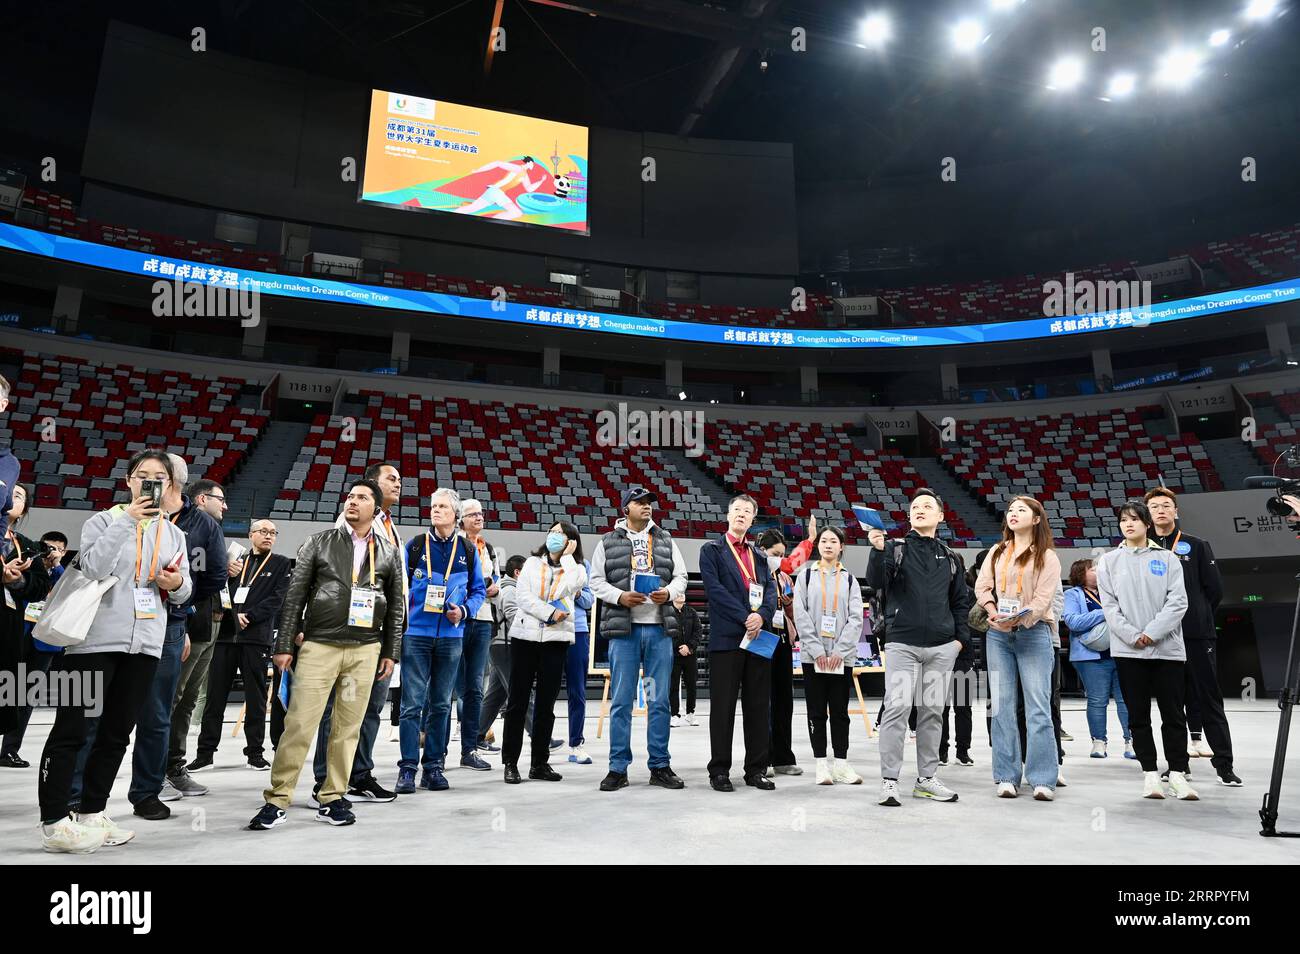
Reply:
x=774, y=563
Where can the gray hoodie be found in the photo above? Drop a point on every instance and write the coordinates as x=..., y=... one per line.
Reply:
x=108, y=549
x=508, y=605
x=1142, y=591
x=808, y=613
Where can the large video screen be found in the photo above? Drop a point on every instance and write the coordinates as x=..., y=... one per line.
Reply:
x=428, y=155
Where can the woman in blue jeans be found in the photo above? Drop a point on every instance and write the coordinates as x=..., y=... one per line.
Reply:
x=1095, y=668
x=1017, y=585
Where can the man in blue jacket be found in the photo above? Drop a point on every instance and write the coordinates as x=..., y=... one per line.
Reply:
x=446, y=590
x=742, y=598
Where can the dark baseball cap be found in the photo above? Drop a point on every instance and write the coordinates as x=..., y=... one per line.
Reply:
x=639, y=493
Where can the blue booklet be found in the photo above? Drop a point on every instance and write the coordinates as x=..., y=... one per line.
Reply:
x=764, y=644
x=868, y=517
x=647, y=583
x=286, y=682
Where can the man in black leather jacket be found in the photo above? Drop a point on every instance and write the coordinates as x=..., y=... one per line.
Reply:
x=346, y=603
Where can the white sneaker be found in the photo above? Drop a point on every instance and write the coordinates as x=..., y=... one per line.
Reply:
x=691, y=720
x=1043, y=794
x=114, y=834
x=578, y=755
x=842, y=772
x=675, y=722
x=67, y=836
x=933, y=788
x=769, y=772
x=169, y=793
x=1060, y=779
x=1151, y=787
x=1007, y=790
x=1203, y=749
x=1181, y=789
x=1098, y=749
x=889, y=794
x=824, y=773
x=1128, y=750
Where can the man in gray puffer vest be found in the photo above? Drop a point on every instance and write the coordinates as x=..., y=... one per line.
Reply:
x=636, y=572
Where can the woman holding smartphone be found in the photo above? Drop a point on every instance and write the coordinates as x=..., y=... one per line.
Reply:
x=112, y=671
x=828, y=615
x=540, y=638
x=1017, y=585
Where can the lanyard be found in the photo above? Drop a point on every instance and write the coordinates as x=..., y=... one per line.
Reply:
x=18, y=547
x=1092, y=596
x=1173, y=546
x=821, y=571
x=546, y=568
x=386, y=522
x=157, y=546
x=750, y=578
x=372, y=563
x=428, y=545
x=1020, y=579
x=485, y=565
x=258, y=571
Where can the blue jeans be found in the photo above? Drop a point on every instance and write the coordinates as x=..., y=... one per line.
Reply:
x=575, y=687
x=1100, y=682
x=152, y=728
x=428, y=670
x=648, y=649
x=1022, y=656
x=469, y=684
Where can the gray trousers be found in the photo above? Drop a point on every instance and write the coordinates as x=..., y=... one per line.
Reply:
x=920, y=676
x=193, y=682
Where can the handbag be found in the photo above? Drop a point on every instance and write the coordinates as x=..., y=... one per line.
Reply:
x=71, y=608
x=1097, y=639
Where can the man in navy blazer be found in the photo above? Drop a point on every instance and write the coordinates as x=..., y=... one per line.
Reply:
x=741, y=594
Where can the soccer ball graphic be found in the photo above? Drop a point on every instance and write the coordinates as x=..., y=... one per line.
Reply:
x=562, y=186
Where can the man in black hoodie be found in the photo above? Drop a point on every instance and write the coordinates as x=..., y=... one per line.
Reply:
x=925, y=600
x=1204, y=592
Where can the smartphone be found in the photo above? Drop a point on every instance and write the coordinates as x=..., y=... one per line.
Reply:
x=153, y=489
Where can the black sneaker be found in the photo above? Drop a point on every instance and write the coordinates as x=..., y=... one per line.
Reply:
x=315, y=802
x=963, y=758
x=200, y=763
x=257, y=763
x=369, y=790
x=152, y=809
x=269, y=817
x=943, y=760
x=1229, y=777
x=613, y=782
x=11, y=760
x=666, y=778
x=336, y=814
x=544, y=773
x=720, y=783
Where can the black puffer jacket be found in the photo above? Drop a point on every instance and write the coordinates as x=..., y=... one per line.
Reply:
x=925, y=597
x=320, y=594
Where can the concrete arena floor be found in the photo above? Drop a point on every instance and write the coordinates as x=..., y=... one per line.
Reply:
x=1099, y=818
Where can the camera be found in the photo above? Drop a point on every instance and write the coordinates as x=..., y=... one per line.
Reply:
x=40, y=550
x=153, y=489
x=1279, y=507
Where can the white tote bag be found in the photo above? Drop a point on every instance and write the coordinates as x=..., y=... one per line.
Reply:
x=71, y=608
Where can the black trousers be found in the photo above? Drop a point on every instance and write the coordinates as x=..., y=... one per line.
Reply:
x=542, y=664
x=497, y=679
x=120, y=684
x=963, y=691
x=1205, y=700
x=827, y=695
x=249, y=659
x=1139, y=681
x=737, y=674
x=684, y=668
x=36, y=661
x=782, y=736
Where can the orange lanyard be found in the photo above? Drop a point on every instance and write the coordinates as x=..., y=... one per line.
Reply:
x=1020, y=578
x=1092, y=596
x=139, y=551
x=835, y=607
x=428, y=545
x=372, y=562
x=750, y=578
x=18, y=547
x=546, y=567
x=259, y=569
x=1174, y=545
x=386, y=522
x=484, y=564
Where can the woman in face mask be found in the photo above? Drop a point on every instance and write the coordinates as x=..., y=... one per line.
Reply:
x=772, y=542
x=539, y=639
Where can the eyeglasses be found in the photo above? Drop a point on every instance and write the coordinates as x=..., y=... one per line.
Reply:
x=269, y=533
x=214, y=497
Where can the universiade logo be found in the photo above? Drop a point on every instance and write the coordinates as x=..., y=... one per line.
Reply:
x=637, y=428
x=75, y=907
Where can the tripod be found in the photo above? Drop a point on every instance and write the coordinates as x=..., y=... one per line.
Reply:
x=1286, y=702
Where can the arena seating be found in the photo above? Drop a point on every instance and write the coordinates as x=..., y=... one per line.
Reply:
x=101, y=414
x=1255, y=258
x=1079, y=466
x=1272, y=439
x=529, y=465
x=795, y=469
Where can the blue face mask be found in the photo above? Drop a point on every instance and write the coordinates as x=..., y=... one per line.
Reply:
x=555, y=542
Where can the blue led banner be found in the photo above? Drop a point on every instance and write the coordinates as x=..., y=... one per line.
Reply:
x=143, y=264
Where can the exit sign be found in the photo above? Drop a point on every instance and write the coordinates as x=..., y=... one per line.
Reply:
x=1252, y=598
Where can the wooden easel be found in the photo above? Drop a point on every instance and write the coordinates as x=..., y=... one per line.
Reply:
x=637, y=710
x=861, y=708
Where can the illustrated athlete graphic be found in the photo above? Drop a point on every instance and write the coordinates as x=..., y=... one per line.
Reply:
x=495, y=194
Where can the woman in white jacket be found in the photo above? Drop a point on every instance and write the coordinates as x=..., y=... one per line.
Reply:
x=114, y=668
x=539, y=639
x=828, y=618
